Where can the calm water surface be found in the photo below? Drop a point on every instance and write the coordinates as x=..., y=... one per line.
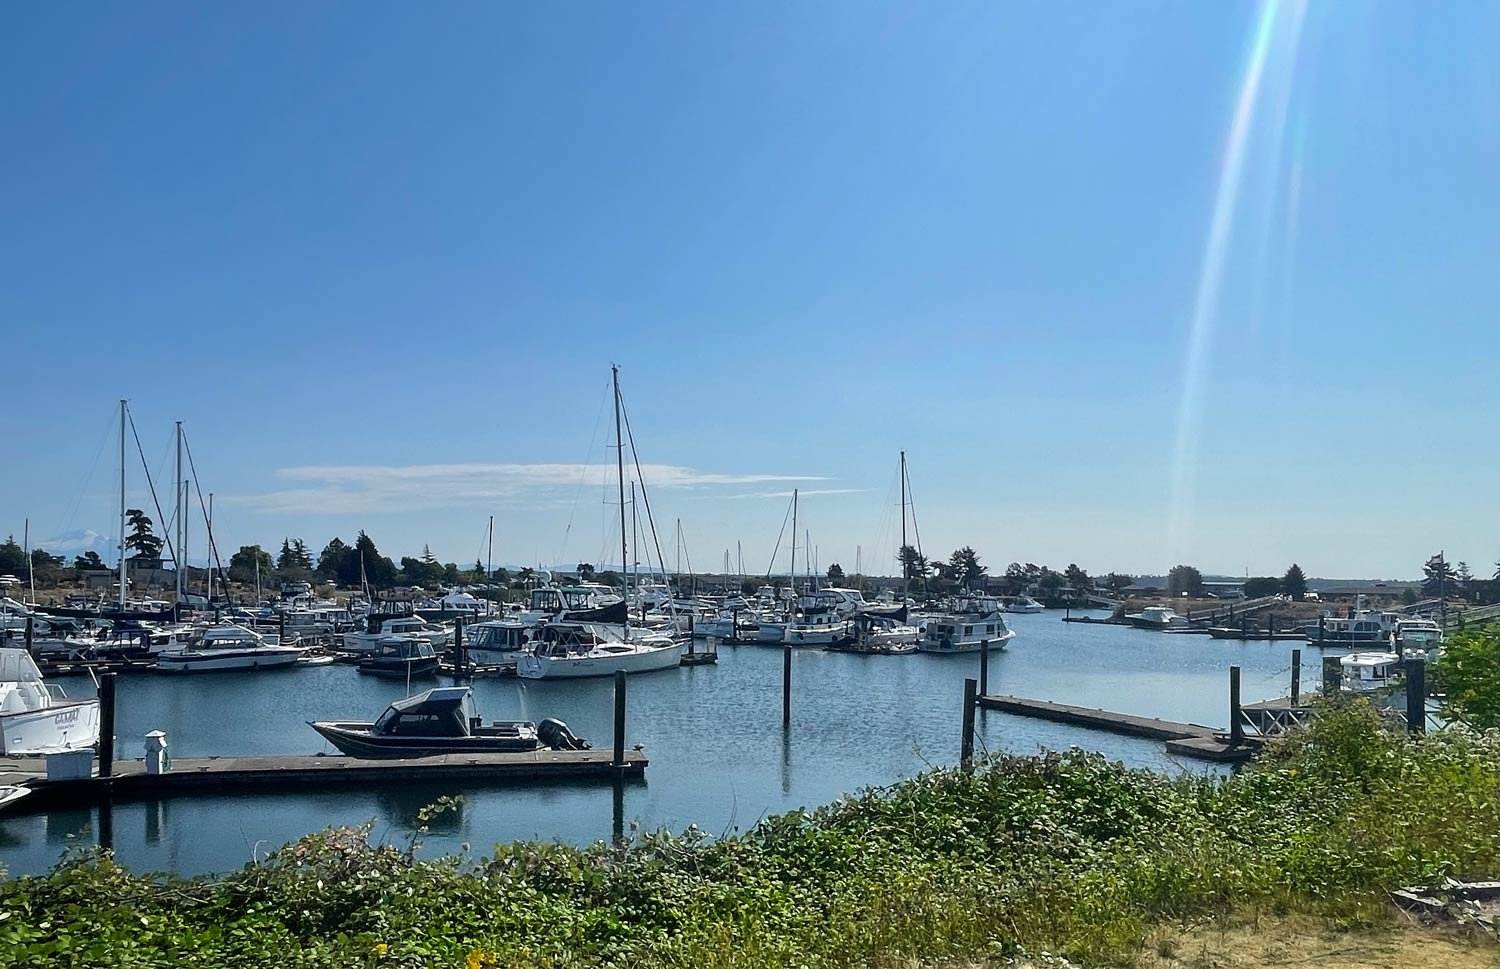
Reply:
x=719, y=757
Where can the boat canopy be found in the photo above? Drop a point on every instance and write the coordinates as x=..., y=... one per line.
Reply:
x=447, y=711
x=17, y=666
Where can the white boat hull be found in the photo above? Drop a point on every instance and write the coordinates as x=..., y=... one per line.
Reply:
x=932, y=644
x=642, y=660
x=65, y=725
x=262, y=658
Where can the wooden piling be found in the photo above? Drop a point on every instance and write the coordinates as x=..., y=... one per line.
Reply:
x=786, y=686
x=1333, y=675
x=30, y=636
x=458, y=644
x=1296, y=676
x=984, y=667
x=281, y=628
x=1322, y=620
x=619, y=758
x=1416, y=695
x=106, y=724
x=966, y=745
x=1236, y=729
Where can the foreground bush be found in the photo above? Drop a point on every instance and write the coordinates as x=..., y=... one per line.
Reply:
x=1065, y=853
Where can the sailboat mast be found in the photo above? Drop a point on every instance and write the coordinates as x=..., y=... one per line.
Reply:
x=209, y=528
x=614, y=372
x=489, y=552
x=633, y=569
x=792, y=569
x=122, y=506
x=180, y=551
x=30, y=565
x=902, y=554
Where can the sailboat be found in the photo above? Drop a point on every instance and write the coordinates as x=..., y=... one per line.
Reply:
x=578, y=649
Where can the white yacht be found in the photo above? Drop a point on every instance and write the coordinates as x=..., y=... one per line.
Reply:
x=1363, y=672
x=884, y=635
x=1417, y=636
x=577, y=649
x=437, y=636
x=965, y=632
x=227, y=647
x=1024, y=604
x=1159, y=618
x=495, y=641
x=36, y=718
x=816, y=630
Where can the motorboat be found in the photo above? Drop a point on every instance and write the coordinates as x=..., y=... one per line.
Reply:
x=588, y=602
x=401, y=656
x=965, y=633
x=880, y=635
x=379, y=628
x=1160, y=618
x=442, y=721
x=1417, y=636
x=577, y=649
x=37, y=717
x=817, y=631
x=1366, y=627
x=230, y=647
x=1024, y=604
x=495, y=641
x=1364, y=672
x=11, y=793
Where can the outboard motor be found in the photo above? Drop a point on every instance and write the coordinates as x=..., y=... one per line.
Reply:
x=555, y=734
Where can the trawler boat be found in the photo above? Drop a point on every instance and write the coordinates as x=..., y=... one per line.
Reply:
x=1364, y=672
x=816, y=631
x=1160, y=618
x=577, y=649
x=383, y=627
x=965, y=633
x=227, y=647
x=1365, y=628
x=880, y=635
x=1417, y=636
x=1024, y=604
x=401, y=656
x=442, y=721
x=495, y=641
x=578, y=603
x=36, y=718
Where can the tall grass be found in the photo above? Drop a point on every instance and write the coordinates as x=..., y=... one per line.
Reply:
x=1064, y=852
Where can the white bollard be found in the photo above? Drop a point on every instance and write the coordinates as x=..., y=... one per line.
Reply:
x=158, y=758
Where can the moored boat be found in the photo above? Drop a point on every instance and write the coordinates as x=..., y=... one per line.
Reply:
x=401, y=656
x=230, y=647
x=578, y=649
x=38, y=718
x=442, y=721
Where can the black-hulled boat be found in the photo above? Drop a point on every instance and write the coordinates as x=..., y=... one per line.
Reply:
x=442, y=721
x=401, y=657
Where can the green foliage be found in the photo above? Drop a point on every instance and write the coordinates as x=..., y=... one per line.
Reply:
x=1262, y=585
x=12, y=557
x=1294, y=583
x=242, y=564
x=1439, y=578
x=1117, y=582
x=1468, y=671
x=965, y=567
x=88, y=560
x=914, y=564
x=836, y=573
x=1064, y=852
x=141, y=540
x=379, y=571
x=1078, y=578
x=1184, y=580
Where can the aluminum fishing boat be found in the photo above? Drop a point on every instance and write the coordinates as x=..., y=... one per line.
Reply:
x=442, y=721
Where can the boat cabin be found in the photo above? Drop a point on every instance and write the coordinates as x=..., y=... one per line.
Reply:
x=447, y=711
x=1368, y=671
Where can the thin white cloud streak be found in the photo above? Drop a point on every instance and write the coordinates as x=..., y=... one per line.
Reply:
x=787, y=494
x=362, y=489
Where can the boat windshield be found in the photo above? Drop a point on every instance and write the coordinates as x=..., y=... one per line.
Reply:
x=436, y=713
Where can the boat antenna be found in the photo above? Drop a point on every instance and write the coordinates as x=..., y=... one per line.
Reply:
x=614, y=372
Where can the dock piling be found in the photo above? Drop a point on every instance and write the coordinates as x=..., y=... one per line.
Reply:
x=281, y=628
x=458, y=644
x=786, y=686
x=30, y=636
x=966, y=746
x=1333, y=673
x=619, y=758
x=106, y=724
x=1416, y=695
x=1236, y=728
x=1296, y=676
x=984, y=667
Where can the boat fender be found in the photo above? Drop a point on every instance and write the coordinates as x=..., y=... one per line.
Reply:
x=555, y=734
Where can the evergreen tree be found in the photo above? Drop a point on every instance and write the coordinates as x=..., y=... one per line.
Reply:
x=835, y=573
x=301, y=557
x=1184, y=580
x=88, y=560
x=141, y=540
x=1441, y=578
x=284, y=559
x=965, y=567
x=1294, y=583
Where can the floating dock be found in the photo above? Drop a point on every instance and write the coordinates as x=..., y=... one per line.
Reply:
x=274, y=775
x=1184, y=739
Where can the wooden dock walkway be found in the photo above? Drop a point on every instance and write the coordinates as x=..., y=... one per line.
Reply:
x=1184, y=739
x=215, y=775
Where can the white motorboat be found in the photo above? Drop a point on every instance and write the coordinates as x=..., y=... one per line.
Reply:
x=439, y=637
x=10, y=794
x=817, y=631
x=965, y=632
x=1417, y=636
x=1364, y=672
x=1024, y=604
x=568, y=649
x=37, y=718
x=1159, y=618
x=227, y=647
x=884, y=635
x=495, y=641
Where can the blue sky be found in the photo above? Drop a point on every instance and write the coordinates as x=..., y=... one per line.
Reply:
x=379, y=261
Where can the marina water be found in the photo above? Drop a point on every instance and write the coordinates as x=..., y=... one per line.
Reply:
x=719, y=756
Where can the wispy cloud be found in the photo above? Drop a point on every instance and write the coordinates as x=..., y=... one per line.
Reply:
x=351, y=489
x=804, y=492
